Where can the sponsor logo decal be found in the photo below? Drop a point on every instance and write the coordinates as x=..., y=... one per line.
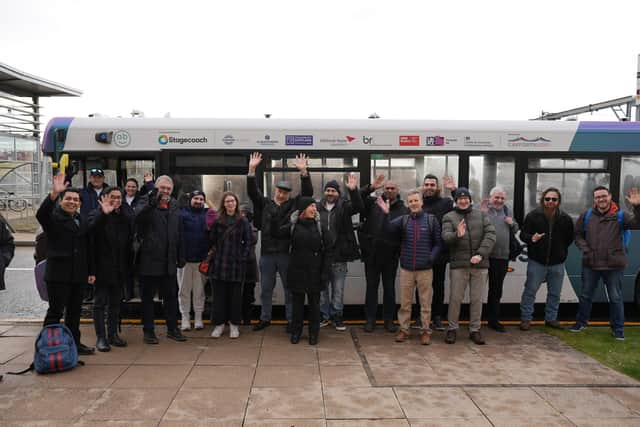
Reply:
x=515, y=140
x=121, y=138
x=350, y=138
x=367, y=140
x=434, y=141
x=409, y=140
x=337, y=141
x=267, y=140
x=164, y=139
x=299, y=140
x=228, y=139
x=478, y=142
x=523, y=139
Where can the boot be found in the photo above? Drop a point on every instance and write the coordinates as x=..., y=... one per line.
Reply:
x=390, y=326
x=198, y=321
x=150, y=337
x=102, y=344
x=370, y=326
x=313, y=339
x=176, y=335
x=116, y=341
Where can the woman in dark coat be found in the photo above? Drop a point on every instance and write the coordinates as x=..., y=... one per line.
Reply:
x=231, y=239
x=7, y=248
x=309, y=265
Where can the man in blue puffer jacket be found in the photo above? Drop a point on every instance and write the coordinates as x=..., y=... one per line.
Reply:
x=196, y=244
x=420, y=247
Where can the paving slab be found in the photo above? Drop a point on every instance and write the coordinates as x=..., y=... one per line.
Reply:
x=285, y=403
x=360, y=402
x=287, y=376
x=441, y=402
x=478, y=421
x=584, y=403
x=204, y=376
x=368, y=423
x=31, y=404
x=226, y=356
x=344, y=376
x=131, y=404
x=153, y=376
x=216, y=404
x=510, y=402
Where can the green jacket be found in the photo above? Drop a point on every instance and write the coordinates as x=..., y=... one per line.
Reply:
x=478, y=239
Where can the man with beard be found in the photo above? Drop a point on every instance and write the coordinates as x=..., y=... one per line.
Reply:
x=112, y=244
x=548, y=233
x=380, y=252
x=600, y=235
x=335, y=214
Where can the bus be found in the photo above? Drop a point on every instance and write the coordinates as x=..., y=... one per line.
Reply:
x=523, y=157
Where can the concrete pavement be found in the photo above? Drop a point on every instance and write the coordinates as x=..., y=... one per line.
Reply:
x=349, y=379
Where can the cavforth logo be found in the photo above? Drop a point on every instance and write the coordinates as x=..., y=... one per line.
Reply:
x=435, y=141
x=523, y=139
x=163, y=140
x=299, y=140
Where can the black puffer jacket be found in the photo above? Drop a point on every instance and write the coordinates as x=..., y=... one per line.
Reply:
x=7, y=248
x=68, y=249
x=267, y=213
x=111, y=240
x=553, y=248
x=160, y=229
x=339, y=224
x=90, y=199
x=373, y=238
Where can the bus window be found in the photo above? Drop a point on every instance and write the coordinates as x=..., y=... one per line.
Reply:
x=488, y=171
x=408, y=171
x=136, y=169
x=629, y=178
x=575, y=188
x=213, y=187
x=555, y=163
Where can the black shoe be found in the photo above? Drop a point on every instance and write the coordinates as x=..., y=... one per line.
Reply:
x=150, y=337
x=295, y=338
x=437, y=324
x=339, y=324
x=450, y=338
x=476, y=337
x=369, y=326
x=83, y=350
x=390, y=326
x=260, y=326
x=313, y=339
x=289, y=328
x=116, y=341
x=496, y=326
x=102, y=344
x=176, y=335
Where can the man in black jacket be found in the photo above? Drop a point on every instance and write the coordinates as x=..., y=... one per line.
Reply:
x=92, y=192
x=68, y=256
x=548, y=233
x=380, y=252
x=111, y=239
x=274, y=251
x=335, y=214
x=159, y=224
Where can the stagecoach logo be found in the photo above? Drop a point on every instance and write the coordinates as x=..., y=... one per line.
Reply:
x=164, y=139
x=435, y=141
x=228, y=139
x=121, y=138
x=298, y=140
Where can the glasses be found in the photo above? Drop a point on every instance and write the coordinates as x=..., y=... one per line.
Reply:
x=389, y=188
x=550, y=199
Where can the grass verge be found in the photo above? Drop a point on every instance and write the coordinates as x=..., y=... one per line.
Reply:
x=598, y=342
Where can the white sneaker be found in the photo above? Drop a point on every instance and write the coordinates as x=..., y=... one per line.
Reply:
x=198, y=321
x=234, y=331
x=186, y=325
x=217, y=331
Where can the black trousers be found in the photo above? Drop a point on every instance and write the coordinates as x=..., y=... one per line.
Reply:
x=374, y=269
x=167, y=287
x=437, y=303
x=227, y=302
x=65, y=298
x=298, y=312
x=248, y=298
x=107, y=296
x=497, y=272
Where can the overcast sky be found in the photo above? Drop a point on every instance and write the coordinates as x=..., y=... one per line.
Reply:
x=326, y=59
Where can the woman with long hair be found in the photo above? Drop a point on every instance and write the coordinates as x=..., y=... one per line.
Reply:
x=230, y=238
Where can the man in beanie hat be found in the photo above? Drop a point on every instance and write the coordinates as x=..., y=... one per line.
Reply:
x=335, y=215
x=196, y=245
x=470, y=236
x=274, y=249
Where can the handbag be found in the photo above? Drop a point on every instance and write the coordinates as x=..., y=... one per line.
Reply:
x=204, y=265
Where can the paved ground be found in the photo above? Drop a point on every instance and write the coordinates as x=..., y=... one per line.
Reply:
x=350, y=379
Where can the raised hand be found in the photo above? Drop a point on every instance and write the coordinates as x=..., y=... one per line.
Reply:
x=147, y=177
x=484, y=205
x=254, y=160
x=448, y=182
x=634, y=196
x=301, y=163
x=383, y=204
x=59, y=185
x=352, y=182
x=462, y=228
x=106, y=207
x=379, y=182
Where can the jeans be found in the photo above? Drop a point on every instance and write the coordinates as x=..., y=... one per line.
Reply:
x=410, y=282
x=476, y=280
x=497, y=272
x=374, y=268
x=269, y=265
x=168, y=289
x=613, y=281
x=536, y=274
x=297, y=322
x=332, y=307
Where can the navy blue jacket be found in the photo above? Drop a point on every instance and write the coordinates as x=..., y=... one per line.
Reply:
x=90, y=199
x=420, y=240
x=195, y=235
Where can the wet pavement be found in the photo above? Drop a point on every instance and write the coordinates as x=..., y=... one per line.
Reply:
x=350, y=379
x=21, y=300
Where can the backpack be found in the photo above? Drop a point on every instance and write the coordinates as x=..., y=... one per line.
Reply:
x=55, y=351
x=626, y=233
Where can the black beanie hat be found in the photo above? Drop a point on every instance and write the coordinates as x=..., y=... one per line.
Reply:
x=304, y=202
x=462, y=192
x=333, y=184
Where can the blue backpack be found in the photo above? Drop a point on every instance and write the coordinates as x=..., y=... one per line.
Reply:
x=55, y=351
x=626, y=234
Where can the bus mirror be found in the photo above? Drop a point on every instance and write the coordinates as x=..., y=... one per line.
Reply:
x=104, y=137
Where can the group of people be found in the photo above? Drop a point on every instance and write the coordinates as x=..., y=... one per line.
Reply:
x=106, y=236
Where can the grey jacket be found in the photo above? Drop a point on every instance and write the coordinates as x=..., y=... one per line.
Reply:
x=497, y=216
x=478, y=239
